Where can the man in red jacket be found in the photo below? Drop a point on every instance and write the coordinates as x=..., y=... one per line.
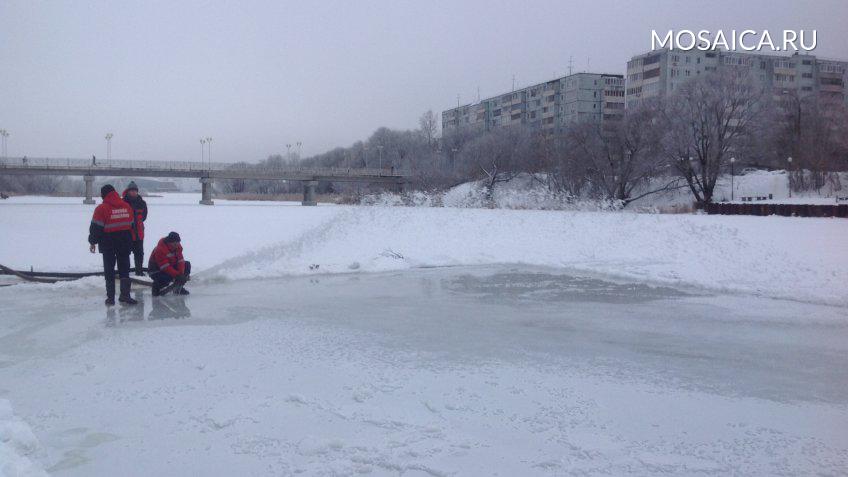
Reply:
x=111, y=230
x=167, y=264
x=132, y=197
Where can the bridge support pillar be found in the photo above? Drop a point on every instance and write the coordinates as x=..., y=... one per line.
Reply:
x=89, y=185
x=309, y=193
x=206, y=191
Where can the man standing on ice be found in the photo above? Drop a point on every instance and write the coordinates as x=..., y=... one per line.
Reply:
x=167, y=264
x=132, y=197
x=111, y=230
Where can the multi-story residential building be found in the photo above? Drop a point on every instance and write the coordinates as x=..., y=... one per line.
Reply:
x=550, y=106
x=660, y=72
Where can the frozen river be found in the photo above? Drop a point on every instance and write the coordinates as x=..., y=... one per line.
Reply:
x=474, y=371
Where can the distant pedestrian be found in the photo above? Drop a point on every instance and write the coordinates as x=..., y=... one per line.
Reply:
x=132, y=197
x=24, y=160
x=93, y=160
x=111, y=230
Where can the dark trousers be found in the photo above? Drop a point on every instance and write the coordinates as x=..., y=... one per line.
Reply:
x=138, y=255
x=162, y=279
x=121, y=257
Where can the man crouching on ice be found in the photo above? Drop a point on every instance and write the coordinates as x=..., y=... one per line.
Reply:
x=166, y=265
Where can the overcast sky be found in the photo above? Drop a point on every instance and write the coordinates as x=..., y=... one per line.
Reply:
x=256, y=75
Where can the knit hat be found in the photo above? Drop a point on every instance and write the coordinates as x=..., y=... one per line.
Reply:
x=132, y=186
x=173, y=237
x=105, y=190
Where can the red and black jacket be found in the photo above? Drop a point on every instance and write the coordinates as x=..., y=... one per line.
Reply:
x=112, y=223
x=140, y=208
x=165, y=260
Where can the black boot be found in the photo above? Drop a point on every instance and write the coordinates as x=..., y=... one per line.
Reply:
x=110, y=292
x=182, y=291
x=156, y=288
x=125, y=292
x=139, y=264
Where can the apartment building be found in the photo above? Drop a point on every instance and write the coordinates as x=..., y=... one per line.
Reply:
x=550, y=106
x=661, y=72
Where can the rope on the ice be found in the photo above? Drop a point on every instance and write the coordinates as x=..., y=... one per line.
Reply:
x=32, y=273
x=54, y=277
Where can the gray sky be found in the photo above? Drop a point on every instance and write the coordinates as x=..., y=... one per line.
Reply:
x=256, y=75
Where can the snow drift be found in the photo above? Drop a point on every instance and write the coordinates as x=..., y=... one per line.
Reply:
x=794, y=258
x=771, y=256
x=17, y=445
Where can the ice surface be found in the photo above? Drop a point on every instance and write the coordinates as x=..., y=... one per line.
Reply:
x=488, y=342
x=486, y=371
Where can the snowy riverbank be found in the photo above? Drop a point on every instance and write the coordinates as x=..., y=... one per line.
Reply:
x=801, y=259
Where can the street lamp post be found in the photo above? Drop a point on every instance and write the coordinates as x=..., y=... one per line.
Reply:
x=109, y=146
x=789, y=174
x=209, y=153
x=288, y=153
x=202, y=152
x=732, y=160
x=797, y=100
x=299, y=144
x=3, y=135
x=380, y=148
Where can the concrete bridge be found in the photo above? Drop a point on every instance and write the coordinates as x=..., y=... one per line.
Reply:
x=207, y=173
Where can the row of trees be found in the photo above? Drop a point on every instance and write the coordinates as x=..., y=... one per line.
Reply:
x=685, y=140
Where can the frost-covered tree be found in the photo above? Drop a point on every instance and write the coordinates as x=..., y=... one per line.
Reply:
x=429, y=125
x=705, y=122
x=621, y=159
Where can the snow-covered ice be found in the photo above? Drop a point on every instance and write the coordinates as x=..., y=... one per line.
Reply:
x=486, y=342
x=802, y=259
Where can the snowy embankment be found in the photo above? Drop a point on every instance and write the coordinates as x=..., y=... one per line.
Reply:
x=780, y=257
x=17, y=445
x=529, y=191
x=793, y=258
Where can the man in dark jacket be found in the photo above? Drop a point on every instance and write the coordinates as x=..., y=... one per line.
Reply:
x=132, y=197
x=111, y=230
x=167, y=264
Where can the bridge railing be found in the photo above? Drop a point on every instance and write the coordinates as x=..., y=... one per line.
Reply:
x=104, y=166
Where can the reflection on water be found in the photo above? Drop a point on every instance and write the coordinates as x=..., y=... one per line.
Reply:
x=536, y=286
x=161, y=308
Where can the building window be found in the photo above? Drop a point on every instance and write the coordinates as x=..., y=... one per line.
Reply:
x=649, y=60
x=830, y=68
x=651, y=74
